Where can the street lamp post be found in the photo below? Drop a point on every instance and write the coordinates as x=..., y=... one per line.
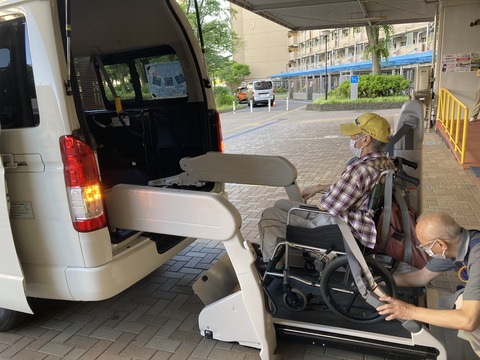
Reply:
x=325, y=33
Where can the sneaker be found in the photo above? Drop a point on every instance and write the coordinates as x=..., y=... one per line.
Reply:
x=473, y=119
x=256, y=248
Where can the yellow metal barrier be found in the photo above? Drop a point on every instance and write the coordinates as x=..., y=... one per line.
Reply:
x=453, y=114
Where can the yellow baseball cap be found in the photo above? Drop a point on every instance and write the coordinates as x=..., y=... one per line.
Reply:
x=370, y=124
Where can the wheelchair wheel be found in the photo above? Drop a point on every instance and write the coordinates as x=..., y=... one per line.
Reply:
x=294, y=299
x=341, y=294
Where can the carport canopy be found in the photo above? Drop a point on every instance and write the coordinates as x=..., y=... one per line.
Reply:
x=330, y=14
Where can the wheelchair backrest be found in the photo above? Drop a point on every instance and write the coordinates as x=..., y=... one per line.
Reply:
x=377, y=195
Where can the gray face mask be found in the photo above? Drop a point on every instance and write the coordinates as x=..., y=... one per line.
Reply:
x=356, y=152
x=430, y=252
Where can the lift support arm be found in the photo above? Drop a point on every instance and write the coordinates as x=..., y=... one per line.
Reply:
x=236, y=168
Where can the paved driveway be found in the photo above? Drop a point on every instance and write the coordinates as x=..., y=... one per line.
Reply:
x=157, y=318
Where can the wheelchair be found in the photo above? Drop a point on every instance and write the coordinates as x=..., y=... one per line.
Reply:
x=350, y=279
x=327, y=266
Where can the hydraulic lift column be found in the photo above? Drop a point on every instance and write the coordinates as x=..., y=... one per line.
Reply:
x=410, y=130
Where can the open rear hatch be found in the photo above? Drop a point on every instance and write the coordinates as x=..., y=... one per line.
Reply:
x=142, y=95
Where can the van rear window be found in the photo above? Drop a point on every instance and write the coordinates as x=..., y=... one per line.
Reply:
x=262, y=85
x=18, y=100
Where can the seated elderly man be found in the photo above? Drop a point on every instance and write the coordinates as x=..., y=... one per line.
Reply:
x=348, y=197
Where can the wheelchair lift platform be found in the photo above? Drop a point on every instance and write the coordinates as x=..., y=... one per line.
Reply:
x=235, y=304
x=318, y=325
x=232, y=290
x=224, y=318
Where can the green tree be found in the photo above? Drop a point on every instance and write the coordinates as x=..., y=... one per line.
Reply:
x=219, y=40
x=233, y=73
x=378, y=47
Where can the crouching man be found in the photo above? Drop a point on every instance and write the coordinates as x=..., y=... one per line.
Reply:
x=450, y=247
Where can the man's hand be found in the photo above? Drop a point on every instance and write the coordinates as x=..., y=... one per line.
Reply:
x=396, y=308
x=310, y=191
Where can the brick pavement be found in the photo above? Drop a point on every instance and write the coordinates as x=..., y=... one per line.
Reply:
x=157, y=318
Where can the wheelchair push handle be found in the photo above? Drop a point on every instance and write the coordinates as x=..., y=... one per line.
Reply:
x=402, y=161
x=412, y=164
x=404, y=176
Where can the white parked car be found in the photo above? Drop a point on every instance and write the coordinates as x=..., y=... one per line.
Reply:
x=261, y=92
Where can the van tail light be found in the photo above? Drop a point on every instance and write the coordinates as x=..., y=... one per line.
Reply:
x=221, y=144
x=83, y=185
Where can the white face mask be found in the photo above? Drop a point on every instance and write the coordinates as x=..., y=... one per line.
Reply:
x=356, y=152
x=430, y=252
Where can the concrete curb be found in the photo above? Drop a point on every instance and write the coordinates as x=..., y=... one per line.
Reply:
x=354, y=106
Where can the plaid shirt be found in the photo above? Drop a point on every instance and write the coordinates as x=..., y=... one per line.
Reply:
x=349, y=196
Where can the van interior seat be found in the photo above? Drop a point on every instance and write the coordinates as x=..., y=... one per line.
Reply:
x=145, y=147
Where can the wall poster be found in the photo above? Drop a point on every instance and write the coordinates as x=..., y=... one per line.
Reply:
x=461, y=62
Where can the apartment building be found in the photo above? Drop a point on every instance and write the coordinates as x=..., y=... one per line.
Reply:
x=273, y=49
x=265, y=48
x=308, y=49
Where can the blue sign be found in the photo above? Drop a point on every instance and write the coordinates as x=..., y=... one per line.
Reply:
x=354, y=87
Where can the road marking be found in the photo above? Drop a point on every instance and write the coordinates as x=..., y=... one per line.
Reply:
x=241, y=133
x=267, y=122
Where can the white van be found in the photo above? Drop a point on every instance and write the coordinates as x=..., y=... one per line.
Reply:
x=118, y=98
x=260, y=92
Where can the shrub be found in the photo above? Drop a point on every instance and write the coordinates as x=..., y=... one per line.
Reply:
x=334, y=100
x=223, y=96
x=342, y=91
x=371, y=86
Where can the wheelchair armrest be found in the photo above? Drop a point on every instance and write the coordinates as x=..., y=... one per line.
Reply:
x=309, y=207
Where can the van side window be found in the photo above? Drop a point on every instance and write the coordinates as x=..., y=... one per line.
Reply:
x=137, y=77
x=18, y=100
x=120, y=76
x=164, y=75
